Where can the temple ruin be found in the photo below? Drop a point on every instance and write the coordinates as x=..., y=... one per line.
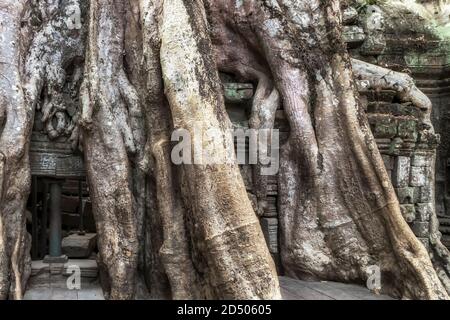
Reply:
x=414, y=143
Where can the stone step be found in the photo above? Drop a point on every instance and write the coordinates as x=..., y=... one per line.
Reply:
x=88, y=268
x=444, y=229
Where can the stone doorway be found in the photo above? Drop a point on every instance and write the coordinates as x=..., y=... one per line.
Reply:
x=61, y=223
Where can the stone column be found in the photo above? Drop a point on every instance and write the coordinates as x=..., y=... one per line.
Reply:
x=55, y=253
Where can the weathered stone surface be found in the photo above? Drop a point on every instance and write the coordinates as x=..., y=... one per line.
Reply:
x=374, y=26
x=396, y=109
x=349, y=15
x=353, y=34
x=79, y=246
x=56, y=165
x=388, y=162
x=46, y=286
x=421, y=229
x=426, y=243
x=408, y=212
x=422, y=160
x=238, y=92
x=426, y=194
x=270, y=230
x=401, y=172
x=420, y=176
x=379, y=97
x=407, y=195
x=424, y=211
x=88, y=267
x=271, y=209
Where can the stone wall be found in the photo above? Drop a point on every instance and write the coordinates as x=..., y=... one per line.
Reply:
x=407, y=42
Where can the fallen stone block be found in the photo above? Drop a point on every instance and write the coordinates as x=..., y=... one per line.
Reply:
x=79, y=246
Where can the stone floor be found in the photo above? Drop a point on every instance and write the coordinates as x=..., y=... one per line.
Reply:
x=292, y=289
x=50, y=283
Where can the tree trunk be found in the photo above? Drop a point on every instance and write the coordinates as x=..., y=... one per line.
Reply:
x=233, y=245
x=16, y=116
x=150, y=68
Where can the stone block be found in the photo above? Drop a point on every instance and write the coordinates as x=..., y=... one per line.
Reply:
x=422, y=160
x=407, y=129
x=271, y=210
x=353, y=34
x=79, y=246
x=421, y=229
x=408, y=212
x=270, y=229
x=69, y=204
x=401, y=172
x=424, y=211
x=420, y=176
x=374, y=44
x=88, y=268
x=426, y=194
x=407, y=195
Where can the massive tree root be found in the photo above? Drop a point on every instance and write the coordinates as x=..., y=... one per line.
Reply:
x=339, y=214
x=151, y=66
x=14, y=173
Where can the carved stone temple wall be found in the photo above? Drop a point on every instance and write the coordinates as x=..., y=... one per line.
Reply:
x=411, y=43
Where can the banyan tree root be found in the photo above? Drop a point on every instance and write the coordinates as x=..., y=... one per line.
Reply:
x=238, y=261
x=378, y=78
x=107, y=100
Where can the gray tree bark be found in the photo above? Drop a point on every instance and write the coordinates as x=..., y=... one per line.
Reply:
x=151, y=67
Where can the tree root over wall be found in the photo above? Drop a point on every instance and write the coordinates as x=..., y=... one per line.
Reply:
x=189, y=231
